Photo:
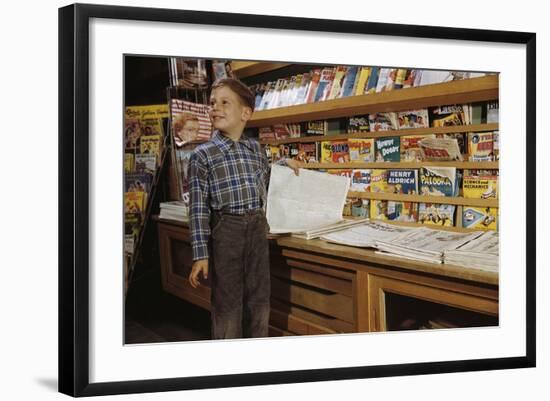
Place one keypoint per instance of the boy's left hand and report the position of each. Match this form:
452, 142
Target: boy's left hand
294, 165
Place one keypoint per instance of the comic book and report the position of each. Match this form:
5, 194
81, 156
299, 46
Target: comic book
410, 148
150, 144
349, 82
307, 152
436, 214
413, 119
440, 149
138, 182
358, 124
372, 81
400, 77
379, 181
480, 217
151, 126
317, 127
479, 185
289, 150
340, 151
361, 150
337, 81
383, 78
267, 93
134, 202
190, 121
410, 78
128, 162
403, 181
438, 181
383, 122
266, 133
387, 149
281, 131
449, 115
145, 163
132, 133
393, 210
361, 86
326, 152
480, 146
302, 88
460, 139
360, 180
313, 86
360, 207
325, 83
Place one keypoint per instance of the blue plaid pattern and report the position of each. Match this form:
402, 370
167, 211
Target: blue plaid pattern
225, 176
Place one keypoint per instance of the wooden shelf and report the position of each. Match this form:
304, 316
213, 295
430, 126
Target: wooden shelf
243, 69
404, 132
448, 200
403, 165
454, 92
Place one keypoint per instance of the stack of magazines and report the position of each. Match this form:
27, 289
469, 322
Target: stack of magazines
480, 253
176, 210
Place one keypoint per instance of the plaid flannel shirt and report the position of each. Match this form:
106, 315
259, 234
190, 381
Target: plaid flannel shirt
226, 176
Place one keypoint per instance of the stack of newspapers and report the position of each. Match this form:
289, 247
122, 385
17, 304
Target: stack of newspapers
176, 210
329, 228
366, 234
480, 253
425, 244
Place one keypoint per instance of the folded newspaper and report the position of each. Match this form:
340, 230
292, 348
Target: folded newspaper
366, 234
481, 253
310, 201
425, 244
176, 210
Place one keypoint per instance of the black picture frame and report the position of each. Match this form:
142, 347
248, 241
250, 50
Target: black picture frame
74, 194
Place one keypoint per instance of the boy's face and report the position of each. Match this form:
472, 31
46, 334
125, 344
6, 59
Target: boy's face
227, 112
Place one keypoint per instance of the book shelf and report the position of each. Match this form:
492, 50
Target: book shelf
455, 92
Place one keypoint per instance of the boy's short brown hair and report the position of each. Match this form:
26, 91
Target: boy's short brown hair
245, 94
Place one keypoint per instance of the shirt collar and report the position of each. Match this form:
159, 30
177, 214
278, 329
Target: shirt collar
225, 143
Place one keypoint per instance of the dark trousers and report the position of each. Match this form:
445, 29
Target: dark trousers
240, 275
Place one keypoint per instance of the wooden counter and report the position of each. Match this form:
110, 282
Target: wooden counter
320, 288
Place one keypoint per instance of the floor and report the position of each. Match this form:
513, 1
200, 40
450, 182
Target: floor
154, 316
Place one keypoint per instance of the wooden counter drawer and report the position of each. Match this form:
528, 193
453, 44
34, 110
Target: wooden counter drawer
317, 299
294, 324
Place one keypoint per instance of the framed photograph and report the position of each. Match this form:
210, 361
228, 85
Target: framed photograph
415, 107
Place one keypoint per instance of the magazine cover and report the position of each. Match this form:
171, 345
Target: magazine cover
154, 111
413, 119
145, 163
410, 148
440, 149
340, 151
480, 186
393, 211
361, 84
480, 146
358, 124
360, 207
307, 152
379, 181
134, 202
151, 126
372, 81
438, 181
387, 149
361, 150
450, 115
265, 133
128, 162
360, 180
317, 127
132, 133
191, 73
337, 82
403, 181
326, 152
436, 214
383, 122
325, 83
137, 182
150, 144
492, 112
190, 122
480, 217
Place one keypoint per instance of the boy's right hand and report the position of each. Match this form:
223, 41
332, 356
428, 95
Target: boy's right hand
198, 267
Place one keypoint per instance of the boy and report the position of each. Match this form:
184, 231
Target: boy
228, 177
